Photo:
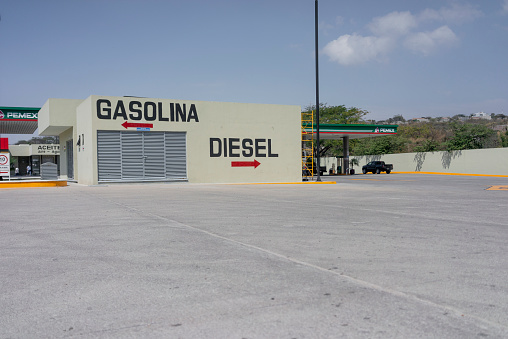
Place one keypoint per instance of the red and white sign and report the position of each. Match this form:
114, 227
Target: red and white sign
5, 170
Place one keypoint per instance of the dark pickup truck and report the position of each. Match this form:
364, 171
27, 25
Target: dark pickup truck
377, 167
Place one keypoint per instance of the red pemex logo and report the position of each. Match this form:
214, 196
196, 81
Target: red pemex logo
1, 115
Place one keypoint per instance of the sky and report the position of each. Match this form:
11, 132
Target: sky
408, 57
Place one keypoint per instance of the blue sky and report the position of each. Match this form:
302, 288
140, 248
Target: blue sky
415, 58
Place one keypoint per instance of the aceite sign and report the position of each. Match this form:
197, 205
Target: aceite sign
46, 149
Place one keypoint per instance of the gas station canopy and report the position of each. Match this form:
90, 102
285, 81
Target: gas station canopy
353, 131
18, 120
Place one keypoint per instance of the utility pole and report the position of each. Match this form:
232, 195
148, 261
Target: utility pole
318, 159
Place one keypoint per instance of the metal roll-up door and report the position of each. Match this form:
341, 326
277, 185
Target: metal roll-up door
109, 158
153, 154
137, 156
176, 155
132, 155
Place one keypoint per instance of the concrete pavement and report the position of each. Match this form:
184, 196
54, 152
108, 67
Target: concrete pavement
373, 256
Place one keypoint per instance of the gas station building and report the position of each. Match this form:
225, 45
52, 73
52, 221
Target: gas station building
107, 139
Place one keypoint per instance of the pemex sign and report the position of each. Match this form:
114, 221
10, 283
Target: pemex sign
19, 114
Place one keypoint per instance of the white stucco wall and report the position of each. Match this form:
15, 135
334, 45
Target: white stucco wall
57, 115
491, 161
86, 152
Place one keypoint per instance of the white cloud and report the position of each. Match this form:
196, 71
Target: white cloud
428, 42
505, 7
401, 27
355, 49
393, 24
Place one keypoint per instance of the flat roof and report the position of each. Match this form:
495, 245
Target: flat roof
353, 131
18, 120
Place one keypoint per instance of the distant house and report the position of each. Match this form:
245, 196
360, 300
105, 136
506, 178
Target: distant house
420, 120
481, 115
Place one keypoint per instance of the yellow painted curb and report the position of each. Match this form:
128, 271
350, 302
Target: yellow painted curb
25, 184
464, 174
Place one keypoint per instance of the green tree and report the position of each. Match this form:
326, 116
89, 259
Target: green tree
469, 136
338, 114
381, 145
416, 130
504, 139
427, 146
424, 136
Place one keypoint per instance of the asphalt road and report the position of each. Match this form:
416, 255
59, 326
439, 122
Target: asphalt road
373, 256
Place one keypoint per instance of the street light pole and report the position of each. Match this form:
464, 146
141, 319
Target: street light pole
318, 160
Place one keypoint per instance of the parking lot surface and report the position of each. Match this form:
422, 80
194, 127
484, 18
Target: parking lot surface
372, 256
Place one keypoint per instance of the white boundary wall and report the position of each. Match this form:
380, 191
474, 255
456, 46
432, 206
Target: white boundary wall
491, 161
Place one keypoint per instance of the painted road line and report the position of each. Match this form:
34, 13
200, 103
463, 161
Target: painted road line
497, 188
367, 179
288, 183
381, 179
464, 174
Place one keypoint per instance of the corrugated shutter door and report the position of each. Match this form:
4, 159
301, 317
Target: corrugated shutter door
109, 155
153, 147
176, 155
132, 155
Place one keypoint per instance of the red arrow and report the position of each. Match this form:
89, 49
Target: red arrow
254, 163
132, 124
